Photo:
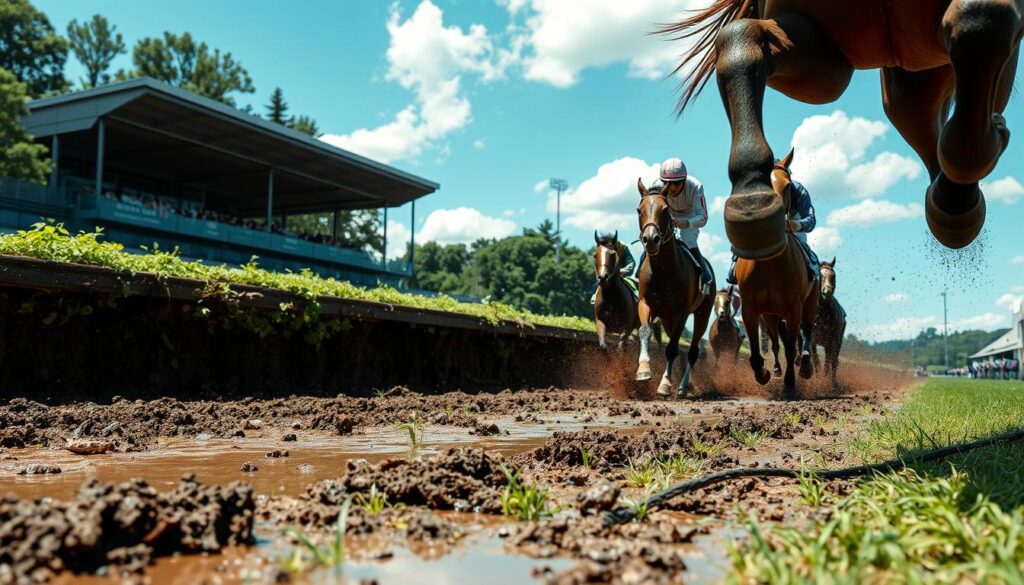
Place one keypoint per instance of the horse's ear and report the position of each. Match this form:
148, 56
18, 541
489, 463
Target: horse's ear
789, 158
597, 240
640, 187
615, 238
833, 262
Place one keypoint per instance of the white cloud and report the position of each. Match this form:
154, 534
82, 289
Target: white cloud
716, 250
1017, 288
717, 205
564, 37
870, 212
825, 240
895, 298
1017, 260
899, 328
606, 201
1008, 190
428, 59
1006, 299
983, 321
479, 144
462, 225
830, 157
398, 239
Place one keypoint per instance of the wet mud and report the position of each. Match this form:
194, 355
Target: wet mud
443, 492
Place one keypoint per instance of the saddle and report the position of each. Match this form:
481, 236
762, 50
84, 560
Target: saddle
633, 285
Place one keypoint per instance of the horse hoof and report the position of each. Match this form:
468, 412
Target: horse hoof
951, 224
755, 224
664, 389
777, 372
682, 392
806, 370
643, 373
762, 376
788, 392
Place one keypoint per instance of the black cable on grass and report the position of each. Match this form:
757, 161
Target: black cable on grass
622, 515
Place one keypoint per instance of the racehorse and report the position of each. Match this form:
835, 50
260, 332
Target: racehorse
614, 304
724, 336
778, 288
931, 53
669, 291
830, 324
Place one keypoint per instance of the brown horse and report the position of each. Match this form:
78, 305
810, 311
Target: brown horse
931, 53
778, 288
669, 291
614, 305
830, 325
724, 336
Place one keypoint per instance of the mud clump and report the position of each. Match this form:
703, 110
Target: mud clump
600, 498
124, 526
39, 469
249, 467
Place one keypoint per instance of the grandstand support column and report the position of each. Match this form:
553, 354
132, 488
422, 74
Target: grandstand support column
270, 198
412, 239
335, 228
384, 252
101, 138
55, 157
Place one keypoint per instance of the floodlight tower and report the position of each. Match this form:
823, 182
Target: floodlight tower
945, 331
559, 186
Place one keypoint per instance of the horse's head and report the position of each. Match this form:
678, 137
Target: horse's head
782, 179
655, 224
606, 257
828, 279
723, 304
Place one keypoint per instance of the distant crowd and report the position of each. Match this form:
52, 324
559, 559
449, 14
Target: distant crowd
192, 209
991, 369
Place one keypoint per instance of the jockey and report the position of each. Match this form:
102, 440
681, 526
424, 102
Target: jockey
626, 262
688, 210
801, 221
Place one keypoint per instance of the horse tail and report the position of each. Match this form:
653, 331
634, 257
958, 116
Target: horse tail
704, 26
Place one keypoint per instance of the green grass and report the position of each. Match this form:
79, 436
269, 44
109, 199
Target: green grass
586, 458
413, 430
958, 520
525, 501
748, 438
331, 555
642, 474
375, 501
53, 242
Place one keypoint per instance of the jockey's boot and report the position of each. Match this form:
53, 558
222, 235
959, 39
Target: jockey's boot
705, 274
730, 278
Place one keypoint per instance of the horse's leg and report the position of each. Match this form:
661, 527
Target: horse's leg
700, 325
790, 338
752, 323
671, 352
983, 39
772, 326
806, 366
643, 371
602, 331
792, 54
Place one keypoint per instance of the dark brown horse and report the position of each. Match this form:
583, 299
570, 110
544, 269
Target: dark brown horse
614, 305
669, 291
830, 325
931, 53
777, 288
724, 336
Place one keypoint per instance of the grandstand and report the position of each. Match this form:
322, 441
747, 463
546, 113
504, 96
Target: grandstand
151, 163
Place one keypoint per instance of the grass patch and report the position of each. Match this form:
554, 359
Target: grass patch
331, 555
47, 241
375, 501
526, 501
957, 520
748, 438
413, 430
641, 475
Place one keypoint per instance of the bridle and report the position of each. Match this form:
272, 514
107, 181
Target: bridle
663, 236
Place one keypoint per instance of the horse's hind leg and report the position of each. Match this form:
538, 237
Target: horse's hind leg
792, 54
700, 325
752, 323
790, 338
772, 326
671, 352
983, 39
643, 370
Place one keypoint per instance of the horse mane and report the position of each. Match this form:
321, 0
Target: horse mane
704, 26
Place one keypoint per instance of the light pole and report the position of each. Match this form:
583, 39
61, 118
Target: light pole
945, 331
559, 186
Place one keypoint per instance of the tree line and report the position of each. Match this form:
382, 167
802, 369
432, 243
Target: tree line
927, 348
518, 270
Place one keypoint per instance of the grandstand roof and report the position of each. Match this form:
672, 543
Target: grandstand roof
1006, 343
161, 133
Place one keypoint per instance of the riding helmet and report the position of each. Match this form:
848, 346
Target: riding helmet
673, 170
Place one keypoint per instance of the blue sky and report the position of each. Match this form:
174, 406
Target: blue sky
491, 98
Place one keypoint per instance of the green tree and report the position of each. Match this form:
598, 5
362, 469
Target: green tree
180, 61
277, 109
20, 157
96, 44
31, 49
360, 229
440, 268
304, 124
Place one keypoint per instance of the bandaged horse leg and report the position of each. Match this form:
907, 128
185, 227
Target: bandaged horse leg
643, 371
700, 324
671, 353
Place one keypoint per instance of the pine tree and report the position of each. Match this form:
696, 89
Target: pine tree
277, 109
304, 124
